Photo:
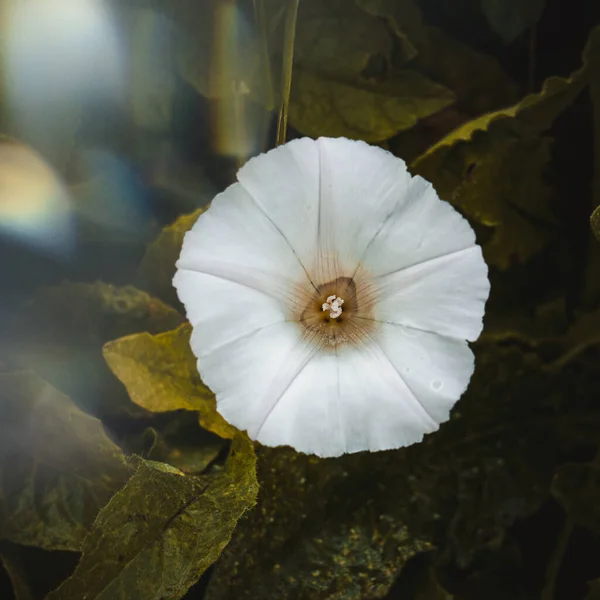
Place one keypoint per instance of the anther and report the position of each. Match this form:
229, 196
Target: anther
334, 305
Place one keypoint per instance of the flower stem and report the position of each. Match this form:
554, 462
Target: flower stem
286, 69
261, 22
556, 560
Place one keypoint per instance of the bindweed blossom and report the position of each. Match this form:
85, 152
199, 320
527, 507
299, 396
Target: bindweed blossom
331, 297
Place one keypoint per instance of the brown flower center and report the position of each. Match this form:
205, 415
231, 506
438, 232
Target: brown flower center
333, 322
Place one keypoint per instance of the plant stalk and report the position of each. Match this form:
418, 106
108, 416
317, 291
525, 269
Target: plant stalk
286, 70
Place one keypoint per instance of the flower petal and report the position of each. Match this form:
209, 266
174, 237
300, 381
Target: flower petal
308, 416
349, 402
221, 311
234, 240
420, 228
284, 185
328, 198
437, 369
360, 187
250, 375
444, 295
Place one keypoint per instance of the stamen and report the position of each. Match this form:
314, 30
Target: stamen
333, 304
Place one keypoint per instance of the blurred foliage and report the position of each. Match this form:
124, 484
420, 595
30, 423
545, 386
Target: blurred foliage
321, 105
110, 445
349, 85
58, 468
509, 18
485, 159
59, 334
157, 268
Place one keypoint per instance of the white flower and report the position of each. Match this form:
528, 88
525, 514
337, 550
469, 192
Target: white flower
331, 295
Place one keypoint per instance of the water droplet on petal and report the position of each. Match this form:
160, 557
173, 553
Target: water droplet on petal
437, 384
407, 369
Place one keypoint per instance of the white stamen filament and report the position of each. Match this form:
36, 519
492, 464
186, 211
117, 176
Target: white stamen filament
333, 304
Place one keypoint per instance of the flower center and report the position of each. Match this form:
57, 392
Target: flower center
333, 304
337, 312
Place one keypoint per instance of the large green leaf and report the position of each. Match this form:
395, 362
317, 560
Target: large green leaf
493, 167
322, 529
345, 82
509, 18
163, 530
160, 375
337, 39
61, 331
322, 106
405, 20
478, 80
157, 268
57, 466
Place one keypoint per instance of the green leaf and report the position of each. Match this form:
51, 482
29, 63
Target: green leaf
57, 466
510, 18
577, 487
320, 105
345, 82
405, 20
157, 268
158, 535
337, 39
492, 169
60, 333
322, 529
478, 80
160, 375
495, 457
